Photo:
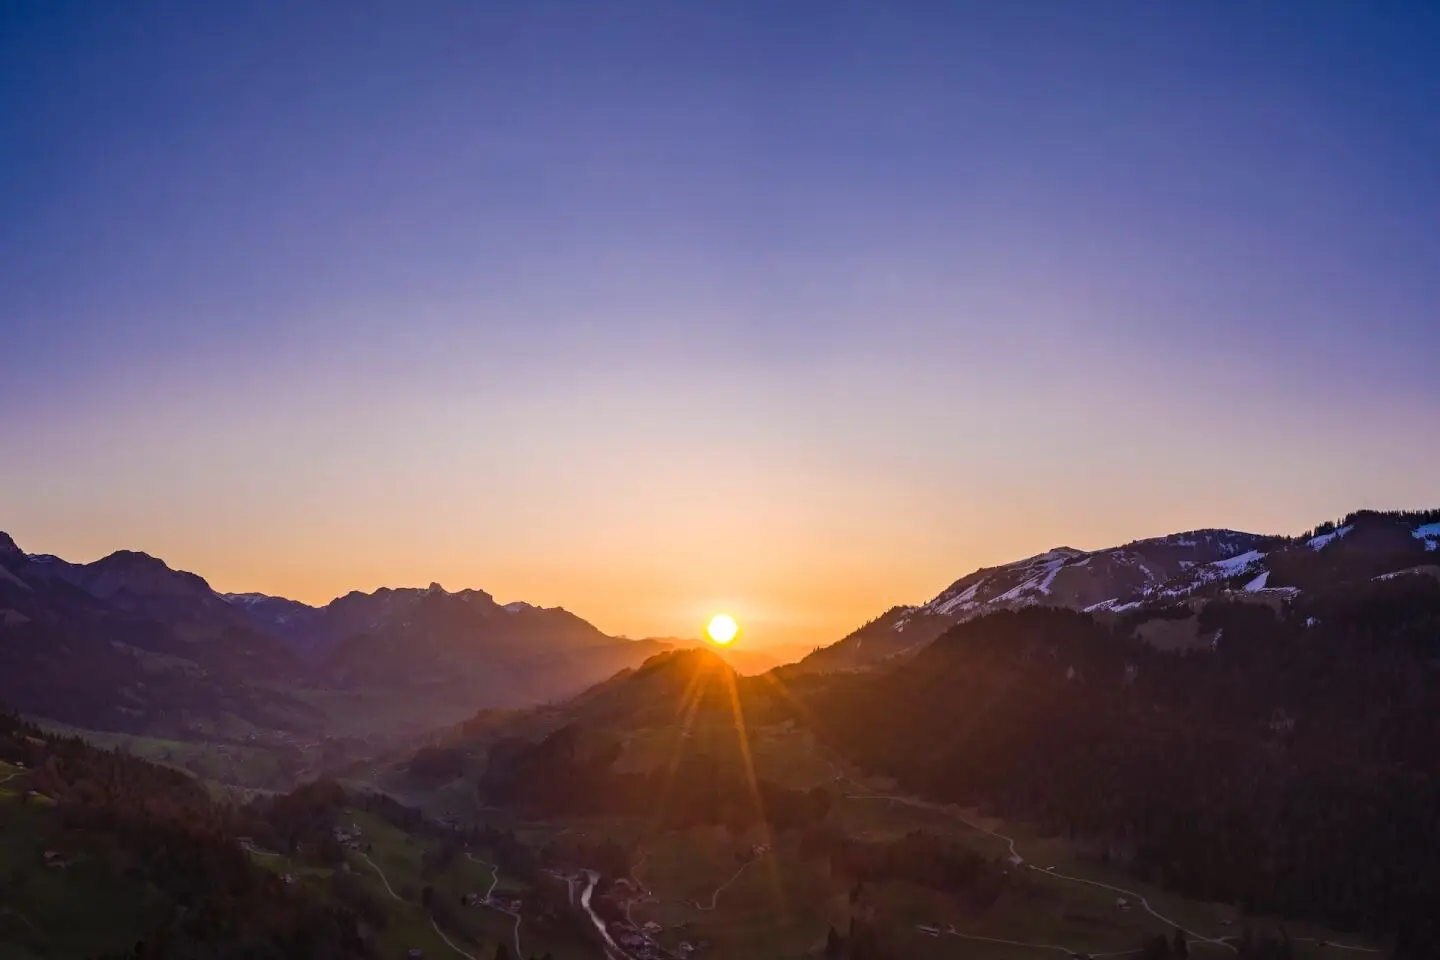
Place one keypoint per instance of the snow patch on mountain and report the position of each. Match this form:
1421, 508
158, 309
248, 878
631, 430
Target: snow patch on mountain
964, 598
1320, 542
1234, 566
1065, 576
1040, 583
245, 599
1430, 534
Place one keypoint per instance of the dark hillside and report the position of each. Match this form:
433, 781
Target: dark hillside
1290, 769
109, 856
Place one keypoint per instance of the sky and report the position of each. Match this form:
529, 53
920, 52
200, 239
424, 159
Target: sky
649, 310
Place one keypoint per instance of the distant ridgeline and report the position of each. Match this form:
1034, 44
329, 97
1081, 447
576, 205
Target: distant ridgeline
128, 644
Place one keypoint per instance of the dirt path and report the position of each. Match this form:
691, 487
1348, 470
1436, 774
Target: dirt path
716, 893
381, 873
1056, 948
1019, 859
448, 942
494, 882
1194, 937
451, 943
494, 872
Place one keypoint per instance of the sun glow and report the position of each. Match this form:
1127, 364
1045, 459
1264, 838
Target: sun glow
722, 629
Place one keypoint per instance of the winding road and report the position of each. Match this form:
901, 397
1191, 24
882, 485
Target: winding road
441, 933
1017, 858
494, 882
716, 893
612, 949
1068, 951
494, 872
451, 943
381, 873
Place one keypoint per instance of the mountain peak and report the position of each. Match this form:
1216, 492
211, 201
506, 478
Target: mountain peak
131, 559
7, 546
138, 572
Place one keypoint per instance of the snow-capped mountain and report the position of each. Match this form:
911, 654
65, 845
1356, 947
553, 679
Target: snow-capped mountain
1062, 577
1067, 577
1160, 571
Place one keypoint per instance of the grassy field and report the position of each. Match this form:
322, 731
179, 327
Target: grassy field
775, 905
399, 855
224, 763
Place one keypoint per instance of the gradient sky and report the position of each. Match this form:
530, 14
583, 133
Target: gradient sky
797, 310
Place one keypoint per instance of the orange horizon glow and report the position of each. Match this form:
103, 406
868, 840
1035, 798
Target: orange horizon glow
791, 575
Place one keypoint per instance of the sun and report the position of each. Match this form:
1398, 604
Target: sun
722, 629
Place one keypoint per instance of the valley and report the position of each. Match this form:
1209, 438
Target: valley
782, 902
1047, 775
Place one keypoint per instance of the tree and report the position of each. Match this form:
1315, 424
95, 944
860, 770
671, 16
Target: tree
1178, 947
1156, 948
834, 946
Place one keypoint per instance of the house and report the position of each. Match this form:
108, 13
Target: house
414, 953
53, 858
930, 930
651, 927
289, 879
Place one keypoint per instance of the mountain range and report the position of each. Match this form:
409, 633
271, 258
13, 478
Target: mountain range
1151, 574
1247, 721
128, 643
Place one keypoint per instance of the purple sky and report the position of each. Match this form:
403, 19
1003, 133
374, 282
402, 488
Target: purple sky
656, 309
